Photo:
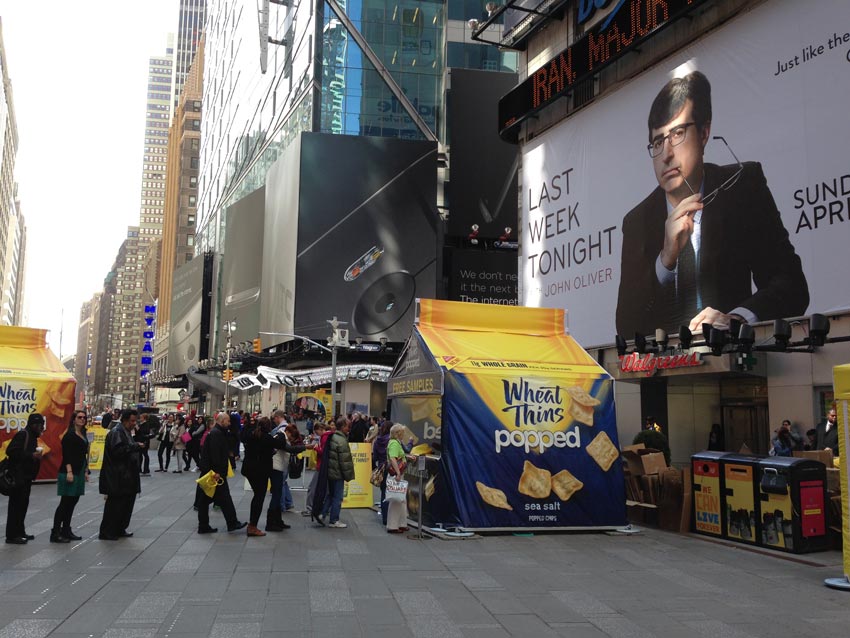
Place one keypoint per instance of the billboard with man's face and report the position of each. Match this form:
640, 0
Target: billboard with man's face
692, 216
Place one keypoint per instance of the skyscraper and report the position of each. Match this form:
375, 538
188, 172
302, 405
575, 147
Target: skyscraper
12, 228
190, 27
157, 119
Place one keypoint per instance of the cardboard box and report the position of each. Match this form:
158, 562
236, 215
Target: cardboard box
833, 479
824, 456
670, 500
642, 460
641, 513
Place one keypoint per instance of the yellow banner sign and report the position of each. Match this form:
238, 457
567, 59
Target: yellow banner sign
358, 493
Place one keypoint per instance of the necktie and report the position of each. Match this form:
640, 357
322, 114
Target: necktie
686, 283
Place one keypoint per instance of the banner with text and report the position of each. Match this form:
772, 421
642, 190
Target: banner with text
752, 174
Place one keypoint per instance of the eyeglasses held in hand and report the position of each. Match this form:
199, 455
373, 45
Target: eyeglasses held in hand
725, 186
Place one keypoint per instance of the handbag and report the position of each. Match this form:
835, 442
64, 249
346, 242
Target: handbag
209, 482
396, 490
377, 476
296, 466
186, 437
7, 478
772, 482
402, 466
8, 482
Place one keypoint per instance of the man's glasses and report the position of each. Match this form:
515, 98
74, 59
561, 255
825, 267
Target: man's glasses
725, 186
676, 136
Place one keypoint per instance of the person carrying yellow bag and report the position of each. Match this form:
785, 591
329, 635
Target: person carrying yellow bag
215, 459
208, 482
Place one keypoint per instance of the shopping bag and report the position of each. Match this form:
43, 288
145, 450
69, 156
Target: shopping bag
396, 490
209, 482
230, 473
186, 437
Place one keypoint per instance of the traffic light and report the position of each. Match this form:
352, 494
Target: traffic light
258, 345
227, 374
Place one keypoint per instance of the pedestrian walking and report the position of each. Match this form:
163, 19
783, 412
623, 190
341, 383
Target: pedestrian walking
215, 457
182, 456
143, 435
24, 456
260, 447
72, 478
165, 443
119, 478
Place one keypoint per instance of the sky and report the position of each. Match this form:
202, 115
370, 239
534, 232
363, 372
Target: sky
79, 82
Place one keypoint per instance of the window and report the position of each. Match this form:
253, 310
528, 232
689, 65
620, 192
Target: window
193, 162
190, 220
193, 182
190, 240
193, 201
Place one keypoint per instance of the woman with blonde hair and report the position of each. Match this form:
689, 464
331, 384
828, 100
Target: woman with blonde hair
396, 462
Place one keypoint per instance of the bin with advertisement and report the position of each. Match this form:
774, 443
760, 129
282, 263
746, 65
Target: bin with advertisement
709, 510
32, 379
792, 503
519, 420
739, 491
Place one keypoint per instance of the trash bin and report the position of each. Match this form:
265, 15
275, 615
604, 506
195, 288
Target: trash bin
739, 497
792, 495
707, 482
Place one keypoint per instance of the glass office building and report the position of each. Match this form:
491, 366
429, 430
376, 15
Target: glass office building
319, 77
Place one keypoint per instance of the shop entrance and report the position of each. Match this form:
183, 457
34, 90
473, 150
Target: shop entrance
746, 424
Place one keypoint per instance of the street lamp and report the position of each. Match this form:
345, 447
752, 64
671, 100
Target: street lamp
339, 338
229, 327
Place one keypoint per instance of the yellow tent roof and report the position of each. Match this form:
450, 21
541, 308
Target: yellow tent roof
24, 354
485, 337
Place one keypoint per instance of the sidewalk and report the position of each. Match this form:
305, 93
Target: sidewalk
360, 581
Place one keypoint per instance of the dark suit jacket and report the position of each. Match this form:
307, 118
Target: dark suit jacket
742, 241
827, 439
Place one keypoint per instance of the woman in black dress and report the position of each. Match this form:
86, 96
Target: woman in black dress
73, 475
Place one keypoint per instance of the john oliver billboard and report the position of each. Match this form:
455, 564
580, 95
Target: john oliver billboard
716, 183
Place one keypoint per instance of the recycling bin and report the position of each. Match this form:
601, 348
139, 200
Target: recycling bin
792, 499
707, 479
739, 498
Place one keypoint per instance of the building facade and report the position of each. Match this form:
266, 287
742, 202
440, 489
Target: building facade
607, 150
12, 226
190, 28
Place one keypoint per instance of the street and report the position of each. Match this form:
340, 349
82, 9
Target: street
311, 581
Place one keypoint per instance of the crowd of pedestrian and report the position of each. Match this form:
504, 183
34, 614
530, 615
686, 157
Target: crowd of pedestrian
271, 451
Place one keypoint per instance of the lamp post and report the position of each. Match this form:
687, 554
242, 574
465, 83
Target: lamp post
229, 327
337, 339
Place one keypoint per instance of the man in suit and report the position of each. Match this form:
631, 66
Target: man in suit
827, 433
694, 247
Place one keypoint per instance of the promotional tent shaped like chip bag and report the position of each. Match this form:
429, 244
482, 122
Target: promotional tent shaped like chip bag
33, 380
522, 416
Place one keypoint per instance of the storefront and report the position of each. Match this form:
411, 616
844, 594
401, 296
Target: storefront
748, 396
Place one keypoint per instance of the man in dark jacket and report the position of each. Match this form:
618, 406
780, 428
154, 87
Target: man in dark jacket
119, 477
24, 461
359, 428
215, 457
827, 433
340, 470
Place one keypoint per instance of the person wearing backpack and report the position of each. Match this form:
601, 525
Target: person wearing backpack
24, 460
